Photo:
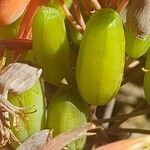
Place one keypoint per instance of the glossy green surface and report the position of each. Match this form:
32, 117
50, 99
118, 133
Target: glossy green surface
100, 62
55, 4
34, 121
136, 47
67, 111
10, 31
50, 45
73, 34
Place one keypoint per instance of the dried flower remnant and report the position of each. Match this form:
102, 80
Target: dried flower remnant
138, 17
11, 78
36, 141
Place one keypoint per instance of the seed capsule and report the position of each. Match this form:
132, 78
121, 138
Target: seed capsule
137, 28
55, 4
10, 31
136, 47
100, 62
67, 111
34, 121
50, 45
74, 36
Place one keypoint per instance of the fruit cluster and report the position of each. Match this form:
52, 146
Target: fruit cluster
87, 67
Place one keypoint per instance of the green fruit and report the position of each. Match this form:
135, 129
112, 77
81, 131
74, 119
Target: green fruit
136, 47
10, 31
73, 34
29, 56
34, 121
50, 45
101, 58
146, 83
55, 4
67, 111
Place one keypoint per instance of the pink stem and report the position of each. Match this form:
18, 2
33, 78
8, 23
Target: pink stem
70, 17
79, 14
96, 4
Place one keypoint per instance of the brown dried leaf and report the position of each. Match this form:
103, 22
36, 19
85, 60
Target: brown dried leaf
19, 77
36, 141
62, 140
138, 17
130, 144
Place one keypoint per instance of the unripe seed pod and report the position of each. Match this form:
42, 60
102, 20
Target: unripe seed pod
34, 121
50, 45
137, 28
74, 36
136, 47
146, 83
55, 4
10, 31
67, 111
100, 62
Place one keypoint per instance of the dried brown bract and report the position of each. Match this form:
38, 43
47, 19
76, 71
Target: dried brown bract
19, 77
138, 17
